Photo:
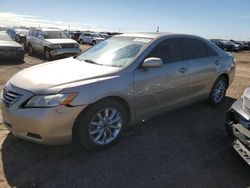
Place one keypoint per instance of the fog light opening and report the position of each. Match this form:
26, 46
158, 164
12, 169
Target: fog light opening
33, 135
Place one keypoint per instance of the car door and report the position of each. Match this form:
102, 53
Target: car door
157, 88
86, 38
34, 40
39, 42
204, 65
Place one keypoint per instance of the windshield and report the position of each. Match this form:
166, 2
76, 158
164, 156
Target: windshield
5, 37
96, 35
55, 35
117, 51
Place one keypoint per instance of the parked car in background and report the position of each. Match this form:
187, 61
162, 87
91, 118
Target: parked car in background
224, 44
238, 125
92, 98
9, 48
11, 32
19, 35
236, 47
90, 38
51, 43
105, 35
243, 45
74, 35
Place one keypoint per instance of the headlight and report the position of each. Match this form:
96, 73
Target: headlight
247, 93
44, 101
77, 45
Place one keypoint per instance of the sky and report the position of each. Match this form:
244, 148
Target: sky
229, 19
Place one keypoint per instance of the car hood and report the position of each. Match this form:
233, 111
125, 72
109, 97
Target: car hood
46, 77
60, 41
9, 44
98, 38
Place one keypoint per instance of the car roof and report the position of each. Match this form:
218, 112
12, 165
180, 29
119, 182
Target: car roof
145, 35
155, 35
47, 29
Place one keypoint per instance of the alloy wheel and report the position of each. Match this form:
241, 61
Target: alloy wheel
105, 126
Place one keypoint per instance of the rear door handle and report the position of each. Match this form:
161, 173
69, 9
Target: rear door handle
217, 62
183, 70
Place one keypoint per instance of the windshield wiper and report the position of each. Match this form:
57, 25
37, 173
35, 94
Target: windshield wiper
90, 61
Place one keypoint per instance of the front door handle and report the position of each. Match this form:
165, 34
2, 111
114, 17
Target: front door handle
183, 70
217, 62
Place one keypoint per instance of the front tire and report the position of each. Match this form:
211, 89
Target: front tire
218, 91
102, 125
47, 55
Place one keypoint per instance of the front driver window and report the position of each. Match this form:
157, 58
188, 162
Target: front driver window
168, 50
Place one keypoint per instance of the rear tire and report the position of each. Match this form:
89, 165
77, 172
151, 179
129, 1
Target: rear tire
218, 91
81, 41
94, 43
101, 125
30, 50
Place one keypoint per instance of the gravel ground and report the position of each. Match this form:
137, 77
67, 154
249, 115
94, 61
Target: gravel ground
184, 148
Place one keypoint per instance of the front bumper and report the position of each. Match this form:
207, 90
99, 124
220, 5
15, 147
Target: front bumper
12, 54
238, 126
50, 126
65, 52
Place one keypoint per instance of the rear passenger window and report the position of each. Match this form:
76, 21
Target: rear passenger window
194, 48
168, 50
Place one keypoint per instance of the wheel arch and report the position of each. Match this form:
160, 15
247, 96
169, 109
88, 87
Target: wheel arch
117, 98
226, 76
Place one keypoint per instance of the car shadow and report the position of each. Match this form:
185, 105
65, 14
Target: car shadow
187, 147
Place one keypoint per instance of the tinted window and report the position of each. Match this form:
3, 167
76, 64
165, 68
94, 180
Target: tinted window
34, 33
210, 51
195, 49
168, 50
40, 34
54, 35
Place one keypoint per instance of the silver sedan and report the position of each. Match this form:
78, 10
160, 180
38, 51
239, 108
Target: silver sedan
92, 98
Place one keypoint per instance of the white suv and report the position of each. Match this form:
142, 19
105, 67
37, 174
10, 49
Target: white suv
90, 38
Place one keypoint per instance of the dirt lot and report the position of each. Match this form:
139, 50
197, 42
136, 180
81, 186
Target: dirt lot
184, 148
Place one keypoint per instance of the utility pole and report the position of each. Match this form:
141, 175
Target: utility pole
158, 29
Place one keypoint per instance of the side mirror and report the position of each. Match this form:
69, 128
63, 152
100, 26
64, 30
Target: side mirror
152, 62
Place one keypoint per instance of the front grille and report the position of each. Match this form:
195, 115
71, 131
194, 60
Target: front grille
246, 102
68, 45
237, 118
10, 97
